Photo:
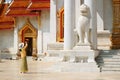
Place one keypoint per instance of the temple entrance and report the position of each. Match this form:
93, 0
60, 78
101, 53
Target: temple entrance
30, 47
28, 32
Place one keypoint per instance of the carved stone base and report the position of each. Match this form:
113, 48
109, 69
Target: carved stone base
82, 46
78, 55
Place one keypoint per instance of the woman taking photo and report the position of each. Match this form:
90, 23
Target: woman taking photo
24, 67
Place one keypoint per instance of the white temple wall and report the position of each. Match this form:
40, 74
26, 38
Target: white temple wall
34, 21
108, 14
104, 23
6, 39
21, 21
45, 27
60, 4
46, 37
104, 15
100, 19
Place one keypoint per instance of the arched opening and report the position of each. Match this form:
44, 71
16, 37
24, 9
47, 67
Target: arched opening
29, 33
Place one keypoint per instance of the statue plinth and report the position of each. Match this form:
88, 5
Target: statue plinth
84, 50
82, 46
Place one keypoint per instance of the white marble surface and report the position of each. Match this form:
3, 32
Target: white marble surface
9, 70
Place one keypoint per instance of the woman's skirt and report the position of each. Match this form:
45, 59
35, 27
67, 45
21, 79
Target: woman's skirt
24, 67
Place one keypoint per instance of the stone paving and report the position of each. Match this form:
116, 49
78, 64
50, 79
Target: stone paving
43, 70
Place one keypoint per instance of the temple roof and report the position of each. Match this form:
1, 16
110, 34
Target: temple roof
26, 7
40, 0
6, 22
39, 5
19, 4
20, 8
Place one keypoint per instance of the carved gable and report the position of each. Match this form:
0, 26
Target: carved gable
27, 30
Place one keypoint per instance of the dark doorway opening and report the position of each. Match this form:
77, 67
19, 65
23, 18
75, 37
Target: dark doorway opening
29, 48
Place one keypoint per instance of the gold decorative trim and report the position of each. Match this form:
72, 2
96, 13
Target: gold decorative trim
61, 25
27, 26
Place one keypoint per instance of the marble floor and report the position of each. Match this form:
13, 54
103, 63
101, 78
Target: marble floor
42, 70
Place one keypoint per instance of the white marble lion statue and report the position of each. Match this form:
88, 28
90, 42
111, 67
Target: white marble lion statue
82, 27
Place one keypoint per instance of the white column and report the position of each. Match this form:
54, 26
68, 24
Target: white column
15, 40
53, 19
40, 42
93, 22
39, 37
69, 21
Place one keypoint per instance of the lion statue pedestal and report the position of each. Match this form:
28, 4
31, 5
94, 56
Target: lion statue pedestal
83, 47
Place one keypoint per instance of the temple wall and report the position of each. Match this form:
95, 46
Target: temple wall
6, 39
20, 21
104, 15
100, 19
45, 27
104, 21
60, 4
108, 14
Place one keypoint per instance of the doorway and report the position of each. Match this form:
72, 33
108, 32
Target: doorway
29, 32
30, 46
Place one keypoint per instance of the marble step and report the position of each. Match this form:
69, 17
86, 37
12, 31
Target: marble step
115, 64
104, 62
109, 60
110, 69
55, 46
53, 53
109, 52
111, 66
107, 64
80, 67
109, 56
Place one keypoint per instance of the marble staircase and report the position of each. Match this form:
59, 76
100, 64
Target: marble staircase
109, 61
